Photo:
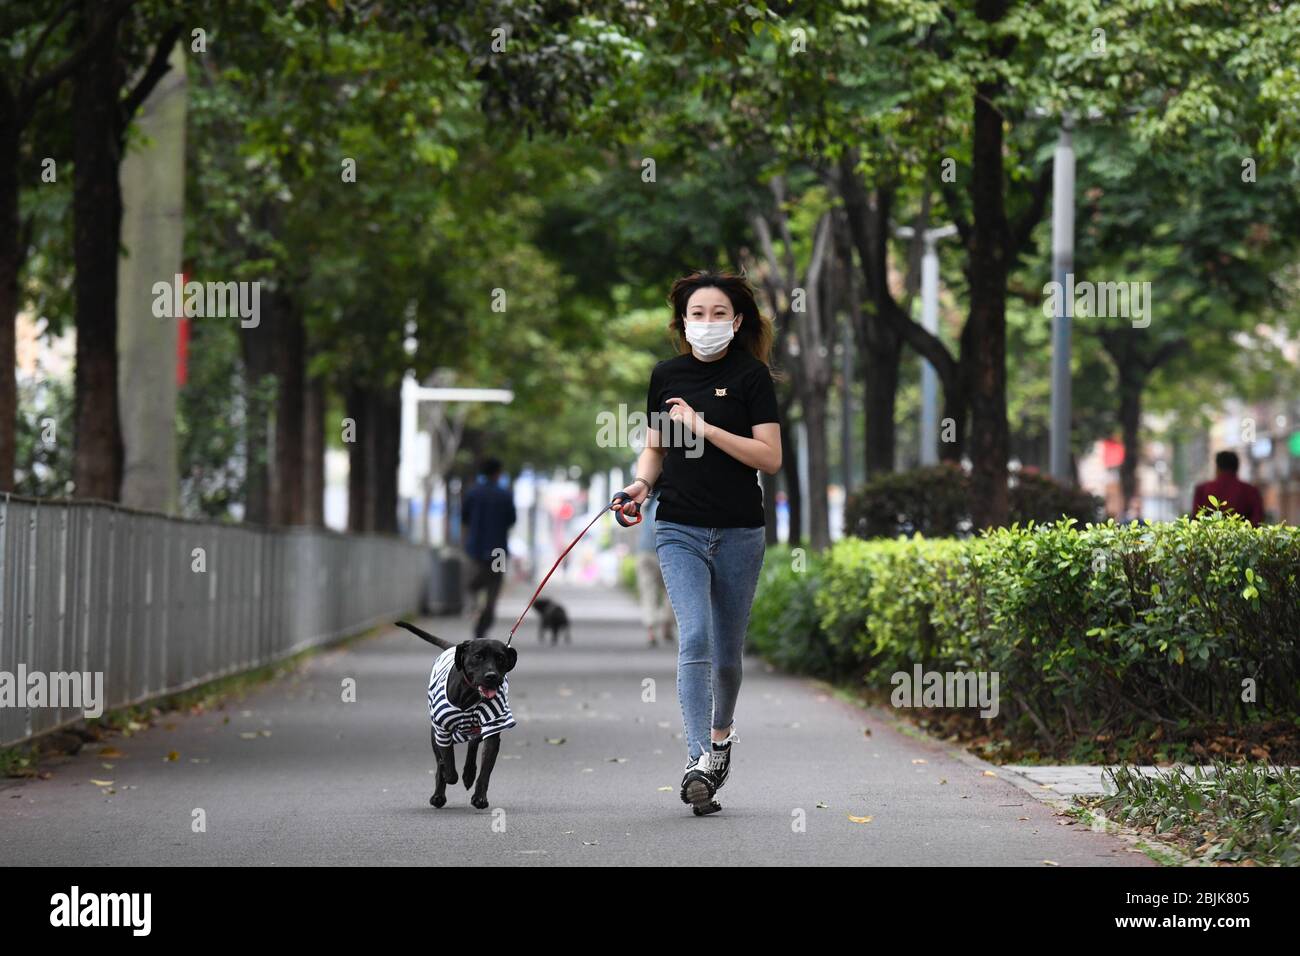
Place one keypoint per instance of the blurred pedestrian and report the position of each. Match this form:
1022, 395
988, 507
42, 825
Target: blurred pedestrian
1231, 492
656, 610
486, 515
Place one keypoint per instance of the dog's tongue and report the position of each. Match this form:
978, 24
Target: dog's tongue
487, 692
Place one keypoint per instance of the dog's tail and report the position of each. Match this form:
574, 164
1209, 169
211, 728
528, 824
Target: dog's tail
425, 635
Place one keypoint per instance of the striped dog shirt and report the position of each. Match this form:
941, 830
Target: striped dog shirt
451, 725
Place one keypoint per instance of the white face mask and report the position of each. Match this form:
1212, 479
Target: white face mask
708, 338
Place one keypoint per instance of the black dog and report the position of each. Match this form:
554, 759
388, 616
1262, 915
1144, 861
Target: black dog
467, 703
554, 619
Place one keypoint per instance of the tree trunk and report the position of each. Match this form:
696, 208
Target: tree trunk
259, 354
819, 473
373, 458
286, 315
361, 462
955, 410
11, 258
769, 506
790, 471
880, 363
313, 454
97, 215
1132, 380
153, 196
983, 345
879, 344
18, 98
388, 435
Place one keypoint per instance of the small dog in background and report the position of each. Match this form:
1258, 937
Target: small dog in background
554, 619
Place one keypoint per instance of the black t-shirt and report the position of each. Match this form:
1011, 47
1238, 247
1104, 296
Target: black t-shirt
701, 484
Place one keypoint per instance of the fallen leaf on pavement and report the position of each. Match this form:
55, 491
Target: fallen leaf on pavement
860, 819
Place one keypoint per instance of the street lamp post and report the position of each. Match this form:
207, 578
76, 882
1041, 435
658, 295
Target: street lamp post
929, 322
1062, 266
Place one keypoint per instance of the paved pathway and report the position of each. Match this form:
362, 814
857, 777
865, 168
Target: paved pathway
293, 775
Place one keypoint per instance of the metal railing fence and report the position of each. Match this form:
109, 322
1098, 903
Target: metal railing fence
160, 604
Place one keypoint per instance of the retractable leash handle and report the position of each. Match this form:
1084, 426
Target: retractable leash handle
616, 506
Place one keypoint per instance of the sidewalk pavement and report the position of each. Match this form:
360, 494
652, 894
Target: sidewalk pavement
292, 774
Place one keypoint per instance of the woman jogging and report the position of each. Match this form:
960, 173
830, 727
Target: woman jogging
713, 425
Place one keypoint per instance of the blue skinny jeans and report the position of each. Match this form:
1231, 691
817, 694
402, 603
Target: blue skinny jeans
710, 575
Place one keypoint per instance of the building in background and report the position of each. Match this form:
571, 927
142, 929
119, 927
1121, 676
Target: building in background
1265, 435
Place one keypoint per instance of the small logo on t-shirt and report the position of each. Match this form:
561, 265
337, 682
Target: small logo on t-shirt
719, 393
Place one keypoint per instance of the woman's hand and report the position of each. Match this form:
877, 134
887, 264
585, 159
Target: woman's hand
638, 491
682, 412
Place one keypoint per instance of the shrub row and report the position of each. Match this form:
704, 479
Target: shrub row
935, 502
1105, 627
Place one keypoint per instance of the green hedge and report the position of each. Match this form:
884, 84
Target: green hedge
935, 501
1104, 627
784, 618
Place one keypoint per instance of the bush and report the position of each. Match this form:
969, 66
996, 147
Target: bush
935, 502
1232, 814
931, 501
1105, 628
1038, 498
783, 623
876, 598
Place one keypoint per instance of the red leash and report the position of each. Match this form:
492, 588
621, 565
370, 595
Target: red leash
615, 506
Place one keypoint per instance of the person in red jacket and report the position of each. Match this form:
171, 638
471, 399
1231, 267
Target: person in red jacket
1231, 492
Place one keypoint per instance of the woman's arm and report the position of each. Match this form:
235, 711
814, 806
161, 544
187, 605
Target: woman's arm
763, 451
649, 465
